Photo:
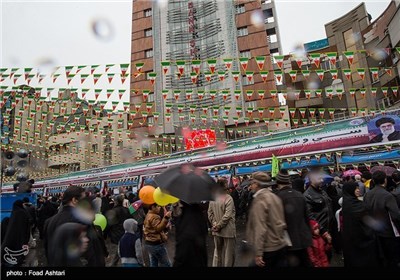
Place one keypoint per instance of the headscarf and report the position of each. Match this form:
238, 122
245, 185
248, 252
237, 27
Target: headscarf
130, 225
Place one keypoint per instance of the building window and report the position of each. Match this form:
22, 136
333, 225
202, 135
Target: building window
148, 12
150, 120
95, 148
240, 9
245, 53
120, 144
251, 104
150, 98
242, 31
148, 32
148, 53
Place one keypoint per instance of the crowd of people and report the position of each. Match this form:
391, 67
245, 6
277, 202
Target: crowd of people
296, 220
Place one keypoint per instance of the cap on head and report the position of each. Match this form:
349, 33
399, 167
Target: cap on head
261, 178
283, 177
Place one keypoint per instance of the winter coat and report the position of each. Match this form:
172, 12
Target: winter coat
266, 223
317, 252
222, 214
319, 208
296, 218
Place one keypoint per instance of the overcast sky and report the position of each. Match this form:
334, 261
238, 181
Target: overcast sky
68, 32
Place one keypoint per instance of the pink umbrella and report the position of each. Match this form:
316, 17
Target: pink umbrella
351, 173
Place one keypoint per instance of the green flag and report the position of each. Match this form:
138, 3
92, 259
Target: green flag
275, 166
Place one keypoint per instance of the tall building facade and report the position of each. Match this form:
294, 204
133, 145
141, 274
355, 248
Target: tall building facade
271, 26
189, 35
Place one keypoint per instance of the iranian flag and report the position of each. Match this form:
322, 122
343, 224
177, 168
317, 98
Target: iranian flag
352, 92
260, 60
126, 106
260, 111
228, 63
302, 112
177, 93
299, 61
124, 67
29, 79
329, 93
332, 57
279, 60
237, 94
110, 77
193, 118
247, 121
192, 109
271, 112
145, 93
331, 112
306, 73
361, 73
189, 94
282, 111
295, 122
274, 94
373, 91
225, 94
292, 112
249, 75
13, 71
363, 91
165, 93
395, 90
123, 77
93, 68
350, 56
149, 106
236, 120
388, 71
216, 110
205, 109
320, 73
41, 77
226, 119
249, 94
374, 72
108, 66
121, 93
196, 64
307, 93
97, 93
372, 112
55, 77
114, 105
264, 75
181, 66
84, 92
238, 111
284, 94
208, 75
278, 76
293, 75
384, 91
79, 68
203, 119
266, 121
152, 76
165, 66
200, 94
316, 59
17, 76
261, 93
244, 62
221, 75
339, 92
347, 73
312, 113
334, 73
96, 78
68, 70
236, 75
84, 77
353, 112
181, 117
212, 63
137, 107
213, 94
227, 109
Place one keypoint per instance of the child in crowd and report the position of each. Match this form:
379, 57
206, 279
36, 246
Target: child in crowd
317, 251
130, 247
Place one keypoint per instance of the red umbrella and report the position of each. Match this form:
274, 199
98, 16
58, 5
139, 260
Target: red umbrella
387, 169
351, 173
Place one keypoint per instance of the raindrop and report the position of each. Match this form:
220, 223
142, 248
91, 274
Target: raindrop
379, 54
162, 3
103, 29
221, 146
46, 65
257, 18
313, 85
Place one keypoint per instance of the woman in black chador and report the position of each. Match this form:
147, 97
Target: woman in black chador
359, 243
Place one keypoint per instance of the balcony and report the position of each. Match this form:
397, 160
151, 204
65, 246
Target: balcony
65, 158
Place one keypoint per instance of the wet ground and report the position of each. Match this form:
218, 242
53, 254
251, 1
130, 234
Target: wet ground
36, 255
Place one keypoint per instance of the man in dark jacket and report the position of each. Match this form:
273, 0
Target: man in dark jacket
383, 208
396, 191
296, 218
319, 205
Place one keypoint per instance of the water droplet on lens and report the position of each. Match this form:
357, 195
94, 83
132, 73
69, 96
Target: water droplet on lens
103, 29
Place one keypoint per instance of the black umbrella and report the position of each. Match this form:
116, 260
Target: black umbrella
187, 183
